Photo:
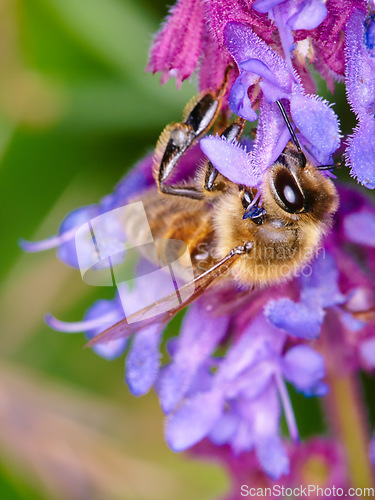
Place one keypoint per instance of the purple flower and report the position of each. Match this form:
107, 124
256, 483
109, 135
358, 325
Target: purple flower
101, 315
293, 15
258, 63
192, 36
319, 290
241, 406
199, 336
239, 353
327, 38
244, 166
131, 186
98, 312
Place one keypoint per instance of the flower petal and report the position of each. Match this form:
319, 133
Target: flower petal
309, 16
260, 341
361, 152
231, 160
304, 368
101, 311
143, 360
265, 6
199, 336
360, 68
173, 383
66, 251
239, 101
316, 121
321, 286
177, 46
295, 318
225, 428
272, 136
262, 416
193, 420
359, 227
244, 45
272, 456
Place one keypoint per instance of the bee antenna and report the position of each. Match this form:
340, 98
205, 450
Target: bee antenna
292, 133
330, 167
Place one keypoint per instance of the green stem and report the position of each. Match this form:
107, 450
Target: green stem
348, 418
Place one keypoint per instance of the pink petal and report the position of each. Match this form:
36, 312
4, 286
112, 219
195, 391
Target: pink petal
177, 46
220, 12
213, 65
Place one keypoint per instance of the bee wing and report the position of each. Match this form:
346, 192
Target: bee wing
164, 309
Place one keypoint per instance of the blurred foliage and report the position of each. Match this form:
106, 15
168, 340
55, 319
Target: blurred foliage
76, 111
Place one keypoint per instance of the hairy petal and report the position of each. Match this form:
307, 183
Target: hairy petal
360, 68
177, 46
220, 12
361, 152
272, 136
231, 160
316, 121
245, 45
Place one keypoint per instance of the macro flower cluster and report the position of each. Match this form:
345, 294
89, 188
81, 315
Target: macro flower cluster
232, 369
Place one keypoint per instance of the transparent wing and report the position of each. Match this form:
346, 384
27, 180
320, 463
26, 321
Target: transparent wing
164, 309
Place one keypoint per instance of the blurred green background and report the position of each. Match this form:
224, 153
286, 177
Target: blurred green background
76, 111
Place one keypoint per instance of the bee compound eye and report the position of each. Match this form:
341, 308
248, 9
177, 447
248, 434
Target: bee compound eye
288, 192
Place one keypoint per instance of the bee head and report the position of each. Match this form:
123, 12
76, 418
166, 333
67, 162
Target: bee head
297, 192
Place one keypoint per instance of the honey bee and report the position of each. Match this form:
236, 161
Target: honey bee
261, 235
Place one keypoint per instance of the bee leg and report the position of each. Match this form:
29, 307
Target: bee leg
292, 133
183, 135
331, 167
231, 133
